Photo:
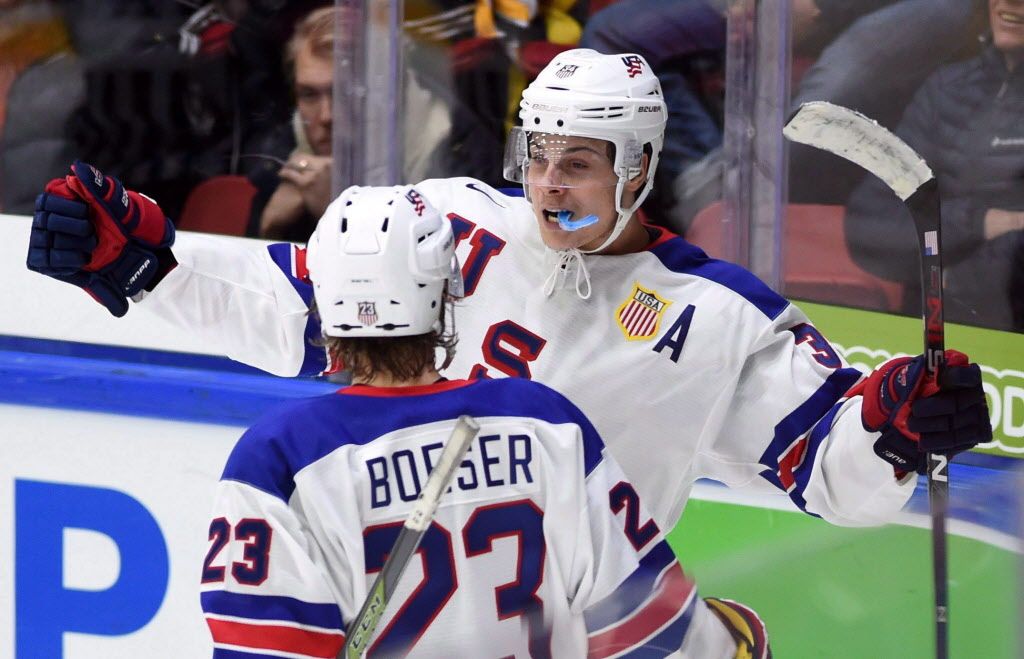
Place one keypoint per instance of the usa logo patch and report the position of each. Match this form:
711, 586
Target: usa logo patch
417, 202
634, 65
640, 315
567, 70
367, 313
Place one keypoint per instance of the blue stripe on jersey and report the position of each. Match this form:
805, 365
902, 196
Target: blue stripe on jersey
802, 419
315, 360
632, 592
271, 607
300, 433
803, 473
665, 642
220, 653
680, 256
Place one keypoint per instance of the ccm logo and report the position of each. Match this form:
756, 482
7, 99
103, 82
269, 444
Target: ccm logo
649, 108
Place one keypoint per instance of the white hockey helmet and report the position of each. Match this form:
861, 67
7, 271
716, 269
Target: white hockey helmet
583, 93
379, 260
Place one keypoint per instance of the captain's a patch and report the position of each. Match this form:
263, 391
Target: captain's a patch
640, 314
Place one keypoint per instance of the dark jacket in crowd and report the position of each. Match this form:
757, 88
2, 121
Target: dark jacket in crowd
966, 122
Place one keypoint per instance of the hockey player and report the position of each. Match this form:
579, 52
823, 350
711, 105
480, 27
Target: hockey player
689, 366
536, 549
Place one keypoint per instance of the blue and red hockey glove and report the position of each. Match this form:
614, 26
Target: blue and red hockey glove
88, 230
917, 415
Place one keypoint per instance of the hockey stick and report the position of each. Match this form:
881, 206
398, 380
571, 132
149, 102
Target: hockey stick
362, 628
853, 136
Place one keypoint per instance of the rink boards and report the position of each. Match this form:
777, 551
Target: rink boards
105, 518
112, 436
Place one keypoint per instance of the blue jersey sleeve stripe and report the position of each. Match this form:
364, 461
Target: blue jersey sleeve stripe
314, 360
800, 420
680, 256
633, 591
803, 473
271, 607
660, 625
222, 653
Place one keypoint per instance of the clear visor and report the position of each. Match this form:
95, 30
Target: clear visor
548, 160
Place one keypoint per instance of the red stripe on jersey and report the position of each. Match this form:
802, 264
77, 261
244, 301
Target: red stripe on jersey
790, 461
674, 593
395, 392
299, 269
276, 637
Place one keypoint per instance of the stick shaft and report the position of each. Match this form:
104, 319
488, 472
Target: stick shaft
858, 139
925, 208
361, 630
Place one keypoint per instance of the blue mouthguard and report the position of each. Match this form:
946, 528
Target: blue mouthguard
574, 225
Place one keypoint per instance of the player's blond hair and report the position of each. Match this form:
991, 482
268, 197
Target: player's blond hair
401, 357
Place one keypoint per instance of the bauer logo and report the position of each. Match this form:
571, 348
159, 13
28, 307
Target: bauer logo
541, 107
634, 65
640, 315
649, 108
566, 70
138, 273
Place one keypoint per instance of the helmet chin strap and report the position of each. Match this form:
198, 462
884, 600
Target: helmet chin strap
620, 221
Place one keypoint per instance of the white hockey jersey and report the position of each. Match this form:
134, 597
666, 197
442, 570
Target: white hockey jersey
689, 366
540, 547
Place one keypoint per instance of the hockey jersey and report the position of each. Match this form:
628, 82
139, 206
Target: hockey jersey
689, 366
541, 547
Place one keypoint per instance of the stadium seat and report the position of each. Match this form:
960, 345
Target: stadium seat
817, 265
218, 205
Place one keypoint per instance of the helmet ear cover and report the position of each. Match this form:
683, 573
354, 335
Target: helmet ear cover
379, 261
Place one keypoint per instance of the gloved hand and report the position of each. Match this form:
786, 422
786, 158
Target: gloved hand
917, 415
88, 230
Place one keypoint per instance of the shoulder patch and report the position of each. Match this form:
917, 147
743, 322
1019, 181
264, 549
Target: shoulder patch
639, 316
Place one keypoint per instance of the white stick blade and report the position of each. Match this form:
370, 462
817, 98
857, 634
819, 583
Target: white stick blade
851, 135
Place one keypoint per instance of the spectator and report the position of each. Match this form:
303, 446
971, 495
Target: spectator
41, 81
684, 41
304, 190
965, 122
869, 61
291, 210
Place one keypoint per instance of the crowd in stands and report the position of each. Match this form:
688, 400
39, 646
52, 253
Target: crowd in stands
169, 95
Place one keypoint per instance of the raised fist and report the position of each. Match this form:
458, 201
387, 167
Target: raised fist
88, 230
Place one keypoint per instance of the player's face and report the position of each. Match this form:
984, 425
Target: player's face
314, 79
1007, 20
572, 174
